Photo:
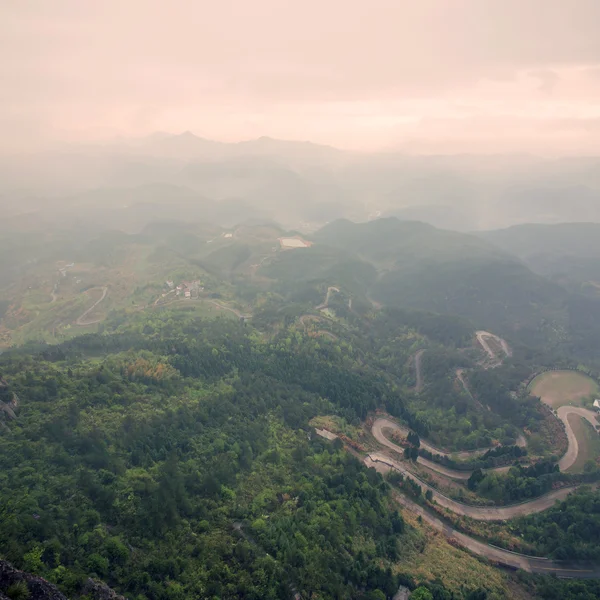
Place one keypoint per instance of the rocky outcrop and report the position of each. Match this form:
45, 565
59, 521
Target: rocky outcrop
14, 401
8, 411
8, 401
100, 591
39, 588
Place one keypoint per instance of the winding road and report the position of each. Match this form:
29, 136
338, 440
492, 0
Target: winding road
81, 321
514, 560
325, 303
380, 424
304, 318
570, 456
383, 423
236, 312
459, 376
567, 461
482, 338
479, 513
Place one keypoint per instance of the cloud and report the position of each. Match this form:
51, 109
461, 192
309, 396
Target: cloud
548, 79
131, 66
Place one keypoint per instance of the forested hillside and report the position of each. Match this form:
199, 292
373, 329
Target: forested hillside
414, 265
172, 457
180, 463
566, 251
171, 452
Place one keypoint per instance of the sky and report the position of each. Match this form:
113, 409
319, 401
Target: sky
428, 76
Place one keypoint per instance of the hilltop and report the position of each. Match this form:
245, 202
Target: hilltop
415, 265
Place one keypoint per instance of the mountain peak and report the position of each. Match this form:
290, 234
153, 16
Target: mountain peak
186, 135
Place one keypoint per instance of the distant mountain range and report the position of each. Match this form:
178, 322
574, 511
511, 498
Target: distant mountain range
188, 146
305, 185
568, 253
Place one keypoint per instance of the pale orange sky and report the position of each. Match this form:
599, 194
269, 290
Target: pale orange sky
449, 75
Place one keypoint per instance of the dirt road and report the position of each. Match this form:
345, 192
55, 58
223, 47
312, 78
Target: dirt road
236, 312
81, 320
479, 513
483, 336
325, 303
383, 423
419, 370
162, 298
303, 321
459, 376
327, 334
511, 559
380, 424
570, 456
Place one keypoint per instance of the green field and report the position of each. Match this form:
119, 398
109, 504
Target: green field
588, 441
559, 388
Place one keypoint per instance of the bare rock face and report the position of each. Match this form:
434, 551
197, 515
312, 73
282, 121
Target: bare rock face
8, 401
10, 413
14, 401
39, 588
100, 591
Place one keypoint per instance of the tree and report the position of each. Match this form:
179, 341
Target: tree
32, 561
421, 593
413, 438
476, 477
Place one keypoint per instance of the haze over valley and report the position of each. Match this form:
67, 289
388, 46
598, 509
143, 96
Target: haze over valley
299, 184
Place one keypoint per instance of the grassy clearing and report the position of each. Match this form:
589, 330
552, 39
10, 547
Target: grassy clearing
432, 557
588, 441
559, 388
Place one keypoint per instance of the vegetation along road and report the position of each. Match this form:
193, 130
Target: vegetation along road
479, 513
565, 462
488, 514
383, 423
570, 456
498, 555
